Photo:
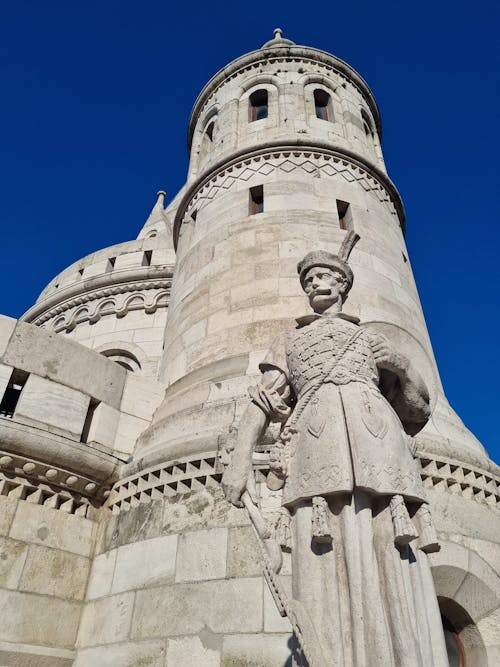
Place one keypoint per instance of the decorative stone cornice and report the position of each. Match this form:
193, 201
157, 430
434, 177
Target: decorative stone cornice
116, 282
169, 479
50, 470
300, 54
104, 302
182, 476
320, 158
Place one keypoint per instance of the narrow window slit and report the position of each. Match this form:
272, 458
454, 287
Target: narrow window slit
256, 200
344, 213
146, 260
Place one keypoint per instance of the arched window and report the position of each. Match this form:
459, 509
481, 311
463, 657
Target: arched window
123, 358
210, 130
258, 105
322, 104
368, 127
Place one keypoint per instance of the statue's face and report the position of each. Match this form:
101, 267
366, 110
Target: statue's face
324, 287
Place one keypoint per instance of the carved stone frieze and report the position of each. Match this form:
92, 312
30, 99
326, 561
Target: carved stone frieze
114, 300
51, 486
175, 478
320, 162
185, 475
449, 476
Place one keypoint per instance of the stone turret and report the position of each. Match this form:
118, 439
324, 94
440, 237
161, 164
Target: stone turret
285, 157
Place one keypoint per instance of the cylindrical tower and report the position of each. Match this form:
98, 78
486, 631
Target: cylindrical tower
285, 157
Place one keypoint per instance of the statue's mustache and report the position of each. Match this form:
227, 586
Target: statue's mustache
320, 292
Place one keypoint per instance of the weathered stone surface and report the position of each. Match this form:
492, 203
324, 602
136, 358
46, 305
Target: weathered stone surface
27, 655
126, 654
107, 620
54, 572
144, 564
221, 606
48, 355
7, 511
203, 649
202, 555
256, 650
53, 406
101, 575
52, 528
7, 326
29, 619
12, 559
244, 557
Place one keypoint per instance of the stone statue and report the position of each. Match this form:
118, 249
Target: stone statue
359, 526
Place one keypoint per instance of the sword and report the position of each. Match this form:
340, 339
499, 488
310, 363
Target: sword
297, 614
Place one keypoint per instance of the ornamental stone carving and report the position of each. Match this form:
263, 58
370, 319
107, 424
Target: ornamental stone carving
354, 509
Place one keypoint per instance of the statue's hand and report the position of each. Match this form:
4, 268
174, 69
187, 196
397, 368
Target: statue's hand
385, 357
233, 484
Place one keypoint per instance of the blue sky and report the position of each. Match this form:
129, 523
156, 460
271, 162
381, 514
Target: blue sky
95, 102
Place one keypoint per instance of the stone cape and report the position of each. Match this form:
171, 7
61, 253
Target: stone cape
370, 602
348, 435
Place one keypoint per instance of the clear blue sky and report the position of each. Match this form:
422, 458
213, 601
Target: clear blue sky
95, 102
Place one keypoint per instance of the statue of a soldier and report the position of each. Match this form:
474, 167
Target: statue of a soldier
359, 522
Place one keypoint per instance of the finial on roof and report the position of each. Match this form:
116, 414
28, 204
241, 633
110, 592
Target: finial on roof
278, 40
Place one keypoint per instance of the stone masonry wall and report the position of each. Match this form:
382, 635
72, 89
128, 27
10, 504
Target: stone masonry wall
44, 566
178, 582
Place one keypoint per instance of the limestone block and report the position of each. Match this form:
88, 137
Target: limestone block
139, 523
233, 605
129, 429
107, 620
12, 558
141, 396
52, 528
144, 564
127, 654
95, 269
7, 326
202, 555
104, 425
194, 651
50, 355
204, 508
256, 650
244, 557
129, 260
101, 575
5, 373
31, 619
54, 572
28, 655
150, 335
477, 598
449, 567
7, 511
52, 406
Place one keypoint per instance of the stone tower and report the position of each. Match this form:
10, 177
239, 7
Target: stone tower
124, 385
